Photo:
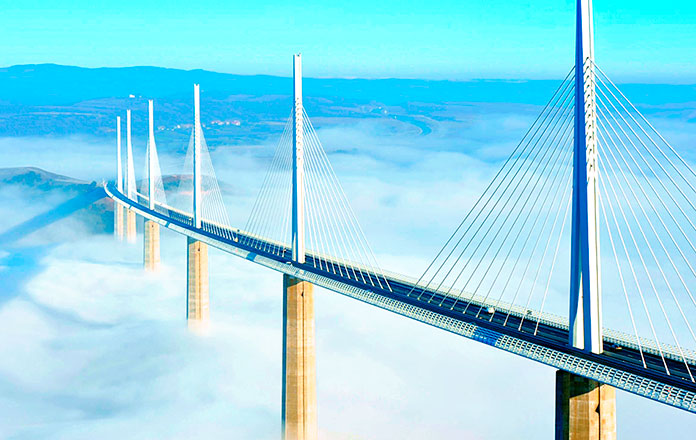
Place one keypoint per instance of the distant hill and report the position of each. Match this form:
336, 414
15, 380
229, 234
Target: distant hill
51, 84
37, 183
49, 99
36, 178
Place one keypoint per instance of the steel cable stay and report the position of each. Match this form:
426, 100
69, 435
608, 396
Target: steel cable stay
130, 171
541, 264
286, 232
659, 198
646, 216
550, 165
509, 165
254, 214
659, 266
285, 202
541, 230
536, 149
350, 226
652, 253
507, 162
313, 193
319, 187
325, 187
274, 192
184, 189
317, 190
686, 198
547, 160
352, 231
280, 206
344, 245
260, 228
214, 212
532, 253
212, 196
635, 279
647, 272
257, 214
554, 259
654, 190
514, 184
553, 188
614, 162
160, 197
676, 245
333, 233
326, 190
642, 157
209, 188
623, 282
316, 246
503, 225
686, 165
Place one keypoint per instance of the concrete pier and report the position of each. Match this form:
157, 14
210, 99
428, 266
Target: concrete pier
299, 412
151, 245
130, 226
118, 221
585, 408
198, 305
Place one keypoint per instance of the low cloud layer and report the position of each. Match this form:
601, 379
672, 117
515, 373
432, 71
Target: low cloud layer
97, 348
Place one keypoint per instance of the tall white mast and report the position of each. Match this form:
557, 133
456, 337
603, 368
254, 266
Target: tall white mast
130, 170
197, 145
151, 157
298, 191
585, 283
119, 167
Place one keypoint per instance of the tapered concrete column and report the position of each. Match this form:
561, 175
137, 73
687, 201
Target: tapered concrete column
198, 308
151, 245
299, 365
585, 408
118, 221
130, 226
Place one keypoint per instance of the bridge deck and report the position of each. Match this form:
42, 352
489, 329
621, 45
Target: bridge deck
619, 365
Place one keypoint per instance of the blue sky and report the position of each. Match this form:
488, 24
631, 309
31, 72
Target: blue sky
635, 40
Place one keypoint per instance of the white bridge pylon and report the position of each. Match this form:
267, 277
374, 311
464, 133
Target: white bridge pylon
152, 187
302, 212
130, 167
199, 191
585, 318
298, 187
590, 163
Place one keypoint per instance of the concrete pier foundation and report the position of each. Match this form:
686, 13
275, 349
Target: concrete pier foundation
130, 226
118, 221
198, 305
299, 412
151, 245
585, 408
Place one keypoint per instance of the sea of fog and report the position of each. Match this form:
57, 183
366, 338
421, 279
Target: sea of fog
94, 347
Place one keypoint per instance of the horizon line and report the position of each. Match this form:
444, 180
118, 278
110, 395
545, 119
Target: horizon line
344, 78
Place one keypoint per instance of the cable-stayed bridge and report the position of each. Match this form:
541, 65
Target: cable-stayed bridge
593, 210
